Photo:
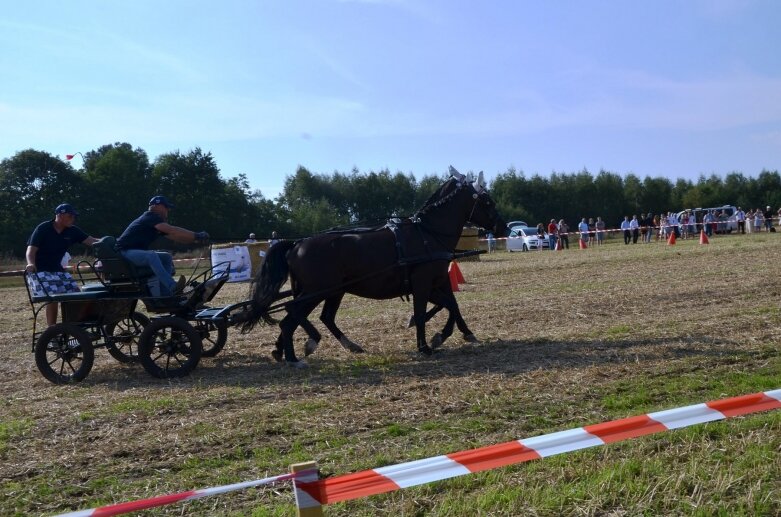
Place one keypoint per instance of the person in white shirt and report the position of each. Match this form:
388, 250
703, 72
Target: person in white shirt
583, 229
672, 223
634, 226
626, 228
740, 217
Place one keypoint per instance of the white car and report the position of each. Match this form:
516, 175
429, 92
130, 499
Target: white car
523, 238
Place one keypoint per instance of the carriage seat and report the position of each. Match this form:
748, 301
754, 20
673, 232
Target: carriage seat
114, 269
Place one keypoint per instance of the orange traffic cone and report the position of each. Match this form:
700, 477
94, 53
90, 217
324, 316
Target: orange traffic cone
671, 239
459, 275
582, 244
703, 237
453, 279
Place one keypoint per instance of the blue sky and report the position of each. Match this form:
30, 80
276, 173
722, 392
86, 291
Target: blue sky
655, 88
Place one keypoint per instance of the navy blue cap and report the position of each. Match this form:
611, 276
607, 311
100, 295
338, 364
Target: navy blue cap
65, 208
161, 200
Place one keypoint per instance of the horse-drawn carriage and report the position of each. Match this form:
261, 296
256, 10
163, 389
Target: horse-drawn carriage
401, 258
103, 314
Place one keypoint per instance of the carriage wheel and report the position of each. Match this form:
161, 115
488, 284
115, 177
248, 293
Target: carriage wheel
214, 335
169, 347
64, 353
123, 336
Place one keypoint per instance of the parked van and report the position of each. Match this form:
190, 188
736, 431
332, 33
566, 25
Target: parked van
726, 221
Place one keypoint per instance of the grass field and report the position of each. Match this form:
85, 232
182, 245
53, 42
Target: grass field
567, 339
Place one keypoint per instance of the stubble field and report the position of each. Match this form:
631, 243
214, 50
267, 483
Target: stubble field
567, 339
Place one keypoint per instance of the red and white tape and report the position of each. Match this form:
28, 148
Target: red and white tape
143, 504
413, 473
311, 493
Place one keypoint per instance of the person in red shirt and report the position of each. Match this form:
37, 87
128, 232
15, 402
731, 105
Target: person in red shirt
553, 231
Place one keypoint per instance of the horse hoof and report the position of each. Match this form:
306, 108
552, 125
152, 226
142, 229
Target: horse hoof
299, 365
425, 350
436, 341
470, 338
277, 355
349, 345
311, 346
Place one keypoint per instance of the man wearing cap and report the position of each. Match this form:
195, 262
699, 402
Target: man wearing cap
251, 239
49, 242
138, 236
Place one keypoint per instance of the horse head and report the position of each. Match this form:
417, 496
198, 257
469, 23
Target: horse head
483, 211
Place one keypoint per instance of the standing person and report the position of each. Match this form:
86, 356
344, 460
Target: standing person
625, 226
553, 231
657, 225
251, 239
592, 228
634, 225
672, 223
564, 233
757, 220
134, 244
274, 239
541, 238
49, 243
768, 218
685, 225
491, 242
740, 217
599, 226
649, 227
707, 223
749, 220
583, 229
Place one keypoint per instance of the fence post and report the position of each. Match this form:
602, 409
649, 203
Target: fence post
306, 505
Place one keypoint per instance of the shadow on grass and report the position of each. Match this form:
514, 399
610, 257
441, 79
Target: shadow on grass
454, 359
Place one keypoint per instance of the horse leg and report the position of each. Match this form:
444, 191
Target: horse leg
442, 302
328, 317
314, 337
311, 344
419, 302
452, 306
447, 299
296, 315
430, 314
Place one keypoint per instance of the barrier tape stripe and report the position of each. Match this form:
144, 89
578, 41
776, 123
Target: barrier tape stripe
143, 504
403, 475
314, 493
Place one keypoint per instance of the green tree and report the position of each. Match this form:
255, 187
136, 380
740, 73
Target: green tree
113, 173
32, 184
192, 181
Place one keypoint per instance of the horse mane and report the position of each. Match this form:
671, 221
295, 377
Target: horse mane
437, 199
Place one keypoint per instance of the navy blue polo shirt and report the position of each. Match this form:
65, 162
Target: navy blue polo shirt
53, 245
140, 234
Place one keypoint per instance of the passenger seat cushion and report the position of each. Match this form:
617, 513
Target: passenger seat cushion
45, 283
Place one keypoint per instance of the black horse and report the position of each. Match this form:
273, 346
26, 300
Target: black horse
402, 259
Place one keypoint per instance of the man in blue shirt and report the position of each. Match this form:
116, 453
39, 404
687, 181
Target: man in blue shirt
138, 236
48, 244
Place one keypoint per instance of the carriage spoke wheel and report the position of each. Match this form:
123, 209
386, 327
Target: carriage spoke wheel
64, 353
123, 336
169, 347
214, 334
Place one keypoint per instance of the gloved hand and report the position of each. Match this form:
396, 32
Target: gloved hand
201, 237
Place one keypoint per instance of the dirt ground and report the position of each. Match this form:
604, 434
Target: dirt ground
566, 339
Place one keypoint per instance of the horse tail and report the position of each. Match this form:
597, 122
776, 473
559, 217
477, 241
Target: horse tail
265, 287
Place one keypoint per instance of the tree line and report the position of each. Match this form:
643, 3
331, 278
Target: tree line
116, 181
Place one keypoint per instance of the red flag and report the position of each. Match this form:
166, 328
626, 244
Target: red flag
69, 156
